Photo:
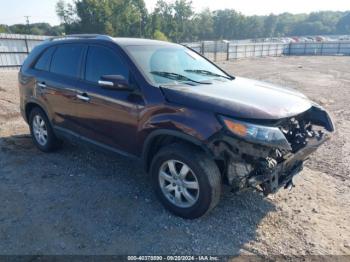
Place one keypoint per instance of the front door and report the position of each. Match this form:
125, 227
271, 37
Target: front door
108, 117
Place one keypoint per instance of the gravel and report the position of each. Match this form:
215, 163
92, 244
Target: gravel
79, 201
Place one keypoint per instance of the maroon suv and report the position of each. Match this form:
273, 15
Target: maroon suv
194, 126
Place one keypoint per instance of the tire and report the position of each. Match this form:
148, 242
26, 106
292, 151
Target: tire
50, 142
202, 173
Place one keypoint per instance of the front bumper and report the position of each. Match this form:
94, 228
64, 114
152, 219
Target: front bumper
266, 167
256, 166
282, 174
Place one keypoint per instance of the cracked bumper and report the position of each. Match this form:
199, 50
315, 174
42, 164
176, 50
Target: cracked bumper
282, 175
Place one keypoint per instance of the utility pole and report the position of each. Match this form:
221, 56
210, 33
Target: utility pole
27, 22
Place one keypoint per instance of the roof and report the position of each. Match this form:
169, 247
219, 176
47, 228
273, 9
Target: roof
139, 41
122, 41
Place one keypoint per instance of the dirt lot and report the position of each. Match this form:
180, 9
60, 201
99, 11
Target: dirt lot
77, 201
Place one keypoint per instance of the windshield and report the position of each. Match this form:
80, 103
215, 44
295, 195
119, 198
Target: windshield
173, 65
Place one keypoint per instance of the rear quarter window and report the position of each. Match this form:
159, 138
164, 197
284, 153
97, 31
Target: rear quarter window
66, 60
44, 61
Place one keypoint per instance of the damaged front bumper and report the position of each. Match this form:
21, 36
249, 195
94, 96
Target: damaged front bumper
267, 169
281, 175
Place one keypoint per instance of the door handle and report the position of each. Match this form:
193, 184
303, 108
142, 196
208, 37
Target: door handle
42, 85
83, 97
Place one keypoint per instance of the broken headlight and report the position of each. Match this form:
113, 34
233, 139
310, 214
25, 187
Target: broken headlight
265, 135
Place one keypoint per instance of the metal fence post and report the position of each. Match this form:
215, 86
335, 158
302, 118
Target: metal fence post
276, 49
338, 51
26, 43
289, 48
215, 50
322, 48
228, 51
202, 48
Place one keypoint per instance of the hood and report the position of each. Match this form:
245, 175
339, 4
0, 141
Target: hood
241, 98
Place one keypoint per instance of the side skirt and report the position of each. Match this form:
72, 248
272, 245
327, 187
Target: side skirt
74, 137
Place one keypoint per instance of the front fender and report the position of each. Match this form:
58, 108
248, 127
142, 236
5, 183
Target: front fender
195, 127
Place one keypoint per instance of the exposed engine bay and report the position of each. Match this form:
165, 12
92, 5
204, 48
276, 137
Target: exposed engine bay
265, 168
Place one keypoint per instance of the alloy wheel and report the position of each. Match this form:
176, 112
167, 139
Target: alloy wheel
179, 183
40, 130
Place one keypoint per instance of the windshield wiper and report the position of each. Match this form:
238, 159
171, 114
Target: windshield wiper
175, 76
206, 73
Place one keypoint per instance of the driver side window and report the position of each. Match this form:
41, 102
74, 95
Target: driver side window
103, 61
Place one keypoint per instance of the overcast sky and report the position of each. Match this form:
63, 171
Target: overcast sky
13, 11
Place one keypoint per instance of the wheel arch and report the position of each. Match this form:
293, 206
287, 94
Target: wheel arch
30, 106
162, 137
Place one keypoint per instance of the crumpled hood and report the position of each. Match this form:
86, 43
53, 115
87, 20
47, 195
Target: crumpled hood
242, 98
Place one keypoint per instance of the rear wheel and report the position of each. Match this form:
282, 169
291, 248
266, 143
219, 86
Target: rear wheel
186, 180
41, 131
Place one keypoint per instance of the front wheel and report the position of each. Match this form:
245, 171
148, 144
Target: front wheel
186, 180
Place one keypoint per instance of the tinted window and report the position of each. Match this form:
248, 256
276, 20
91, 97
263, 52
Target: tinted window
103, 61
44, 61
66, 60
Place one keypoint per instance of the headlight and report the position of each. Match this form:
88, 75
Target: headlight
265, 135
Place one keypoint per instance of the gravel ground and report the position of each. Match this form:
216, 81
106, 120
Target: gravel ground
77, 201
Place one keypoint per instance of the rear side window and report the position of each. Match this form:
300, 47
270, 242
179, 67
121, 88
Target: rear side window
103, 61
43, 63
66, 60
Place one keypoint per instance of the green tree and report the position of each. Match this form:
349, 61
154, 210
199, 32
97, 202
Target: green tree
183, 12
178, 22
3, 29
163, 19
228, 24
270, 24
67, 14
203, 25
343, 26
158, 35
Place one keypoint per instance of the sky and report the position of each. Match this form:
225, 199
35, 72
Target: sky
13, 11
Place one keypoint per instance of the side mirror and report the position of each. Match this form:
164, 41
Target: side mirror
115, 82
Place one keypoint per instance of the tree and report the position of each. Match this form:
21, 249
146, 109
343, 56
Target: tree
67, 14
270, 24
3, 29
227, 24
183, 12
343, 26
163, 19
178, 22
158, 35
203, 25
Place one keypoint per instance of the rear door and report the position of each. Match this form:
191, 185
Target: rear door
59, 86
108, 117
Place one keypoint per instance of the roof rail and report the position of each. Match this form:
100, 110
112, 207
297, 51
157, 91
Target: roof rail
81, 36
